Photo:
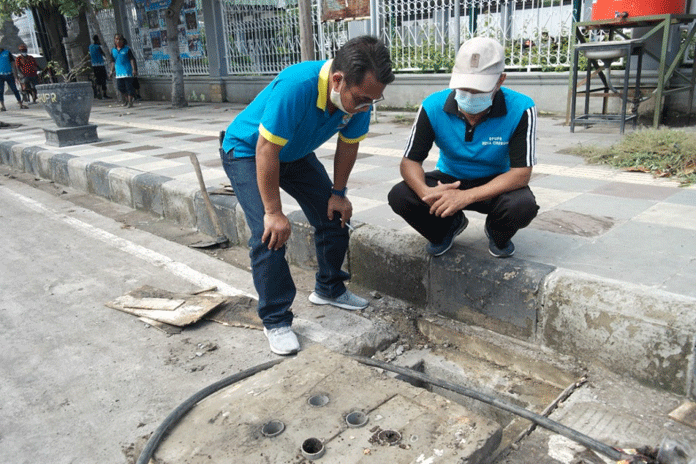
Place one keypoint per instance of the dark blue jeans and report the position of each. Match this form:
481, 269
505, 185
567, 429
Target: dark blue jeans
305, 180
9, 78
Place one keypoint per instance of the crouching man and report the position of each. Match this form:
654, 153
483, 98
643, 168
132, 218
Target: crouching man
486, 134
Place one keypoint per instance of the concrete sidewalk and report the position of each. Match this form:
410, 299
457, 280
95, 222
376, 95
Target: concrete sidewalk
605, 273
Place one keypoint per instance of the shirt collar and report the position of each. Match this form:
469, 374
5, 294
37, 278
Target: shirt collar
323, 85
498, 109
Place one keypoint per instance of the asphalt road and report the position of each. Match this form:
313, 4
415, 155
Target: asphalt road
82, 382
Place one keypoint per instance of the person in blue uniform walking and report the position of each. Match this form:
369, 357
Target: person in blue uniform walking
486, 134
96, 55
8, 74
270, 145
125, 69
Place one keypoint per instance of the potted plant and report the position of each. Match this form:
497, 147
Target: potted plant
66, 100
69, 103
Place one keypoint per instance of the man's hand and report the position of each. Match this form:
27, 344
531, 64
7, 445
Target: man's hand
445, 199
340, 205
276, 230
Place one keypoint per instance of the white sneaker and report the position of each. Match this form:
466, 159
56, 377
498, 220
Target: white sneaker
283, 340
348, 300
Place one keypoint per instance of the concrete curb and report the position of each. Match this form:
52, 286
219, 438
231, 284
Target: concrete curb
632, 330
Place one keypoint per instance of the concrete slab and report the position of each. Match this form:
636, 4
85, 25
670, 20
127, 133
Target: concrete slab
227, 426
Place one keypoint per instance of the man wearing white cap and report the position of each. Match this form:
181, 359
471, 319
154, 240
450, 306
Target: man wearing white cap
486, 135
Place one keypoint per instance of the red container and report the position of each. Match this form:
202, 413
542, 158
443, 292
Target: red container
608, 9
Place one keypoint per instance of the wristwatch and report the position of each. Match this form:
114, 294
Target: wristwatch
339, 193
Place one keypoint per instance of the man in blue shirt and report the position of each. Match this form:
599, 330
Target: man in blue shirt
486, 135
125, 68
96, 55
8, 73
270, 146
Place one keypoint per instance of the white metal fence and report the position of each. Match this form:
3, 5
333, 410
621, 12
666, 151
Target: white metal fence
425, 35
263, 35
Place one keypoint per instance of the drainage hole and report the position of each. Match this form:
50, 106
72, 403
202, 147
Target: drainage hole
356, 419
391, 437
318, 400
272, 428
312, 446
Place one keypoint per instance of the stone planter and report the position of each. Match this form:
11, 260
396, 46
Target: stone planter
69, 105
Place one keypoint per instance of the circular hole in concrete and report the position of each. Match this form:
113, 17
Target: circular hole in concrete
356, 419
391, 437
312, 449
319, 400
272, 428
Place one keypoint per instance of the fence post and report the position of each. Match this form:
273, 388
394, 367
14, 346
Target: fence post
306, 34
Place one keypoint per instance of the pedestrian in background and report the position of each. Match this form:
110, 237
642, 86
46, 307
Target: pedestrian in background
8, 74
270, 145
486, 134
96, 55
125, 69
28, 72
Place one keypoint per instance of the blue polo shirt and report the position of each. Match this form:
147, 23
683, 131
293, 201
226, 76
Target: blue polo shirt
122, 62
504, 139
96, 55
5, 62
292, 112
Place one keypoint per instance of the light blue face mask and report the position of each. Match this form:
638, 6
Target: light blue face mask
473, 103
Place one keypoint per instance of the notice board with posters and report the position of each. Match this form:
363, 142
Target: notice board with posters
151, 29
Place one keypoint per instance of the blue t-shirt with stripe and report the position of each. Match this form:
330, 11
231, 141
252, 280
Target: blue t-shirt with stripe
292, 112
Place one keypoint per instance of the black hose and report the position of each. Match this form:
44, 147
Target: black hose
187, 405
542, 421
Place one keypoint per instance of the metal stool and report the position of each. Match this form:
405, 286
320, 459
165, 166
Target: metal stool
607, 52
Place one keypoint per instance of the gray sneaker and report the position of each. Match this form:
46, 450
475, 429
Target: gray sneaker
283, 340
348, 300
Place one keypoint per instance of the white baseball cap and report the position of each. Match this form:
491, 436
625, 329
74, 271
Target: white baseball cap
480, 62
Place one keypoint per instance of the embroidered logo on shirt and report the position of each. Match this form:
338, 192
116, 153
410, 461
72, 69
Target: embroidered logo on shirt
494, 141
345, 120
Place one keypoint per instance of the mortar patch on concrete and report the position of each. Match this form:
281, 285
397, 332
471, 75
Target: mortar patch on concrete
572, 223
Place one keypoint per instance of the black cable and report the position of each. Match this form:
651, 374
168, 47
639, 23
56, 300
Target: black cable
542, 421
187, 405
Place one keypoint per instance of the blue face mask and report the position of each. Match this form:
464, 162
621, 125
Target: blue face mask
473, 103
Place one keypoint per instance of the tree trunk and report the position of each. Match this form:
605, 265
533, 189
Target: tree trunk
178, 93
53, 22
92, 17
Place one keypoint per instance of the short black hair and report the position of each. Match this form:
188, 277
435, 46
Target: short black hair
95, 39
361, 55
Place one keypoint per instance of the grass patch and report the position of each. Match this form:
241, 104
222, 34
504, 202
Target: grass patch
662, 152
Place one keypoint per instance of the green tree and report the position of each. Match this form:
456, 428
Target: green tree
51, 11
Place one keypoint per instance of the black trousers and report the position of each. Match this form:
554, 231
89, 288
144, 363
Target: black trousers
505, 214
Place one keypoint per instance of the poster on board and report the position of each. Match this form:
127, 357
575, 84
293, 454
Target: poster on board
152, 27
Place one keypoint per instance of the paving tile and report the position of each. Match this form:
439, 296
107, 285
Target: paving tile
620, 189
608, 206
215, 163
206, 138
110, 143
176, 154
141, 148
171, 134
572, 184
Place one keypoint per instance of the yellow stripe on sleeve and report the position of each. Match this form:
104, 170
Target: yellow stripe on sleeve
347, 140
270, 137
